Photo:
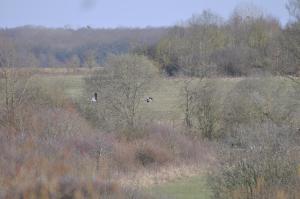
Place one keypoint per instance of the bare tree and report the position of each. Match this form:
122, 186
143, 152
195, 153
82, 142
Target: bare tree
201, 107
13, 87
187, 93
293, 7
121, 87
291, 45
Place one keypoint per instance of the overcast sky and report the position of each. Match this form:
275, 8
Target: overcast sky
124, 13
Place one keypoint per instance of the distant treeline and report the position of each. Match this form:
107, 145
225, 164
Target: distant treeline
64, 47
248, 43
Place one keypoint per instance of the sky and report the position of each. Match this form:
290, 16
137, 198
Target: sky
121, 13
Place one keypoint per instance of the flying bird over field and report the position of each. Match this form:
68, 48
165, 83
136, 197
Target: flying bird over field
148, 99
94, 99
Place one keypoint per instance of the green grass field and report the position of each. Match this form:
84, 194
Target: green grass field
190, 188
72, 85
166, 106
168, 103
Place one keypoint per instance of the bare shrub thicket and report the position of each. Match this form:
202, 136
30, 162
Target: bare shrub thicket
14, 87
202, 108
260, 152
14, 93
265, 164
160, 146
35, 164
183, 147
28, 107
73, 188
121, 87
257, 100
49, 140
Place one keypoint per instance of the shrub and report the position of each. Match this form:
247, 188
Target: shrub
258, 165
257, 100
68, 188
202, 109
121, 87
149, 154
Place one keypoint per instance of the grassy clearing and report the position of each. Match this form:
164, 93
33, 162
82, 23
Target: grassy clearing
167, 104
73, 85
190, 188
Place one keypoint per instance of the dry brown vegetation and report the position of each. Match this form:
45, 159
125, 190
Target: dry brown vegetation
49, 150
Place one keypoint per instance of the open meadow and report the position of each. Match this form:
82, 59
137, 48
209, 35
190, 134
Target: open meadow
168, 101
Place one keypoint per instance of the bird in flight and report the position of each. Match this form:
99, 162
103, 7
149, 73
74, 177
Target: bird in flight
94, 98
148, 99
